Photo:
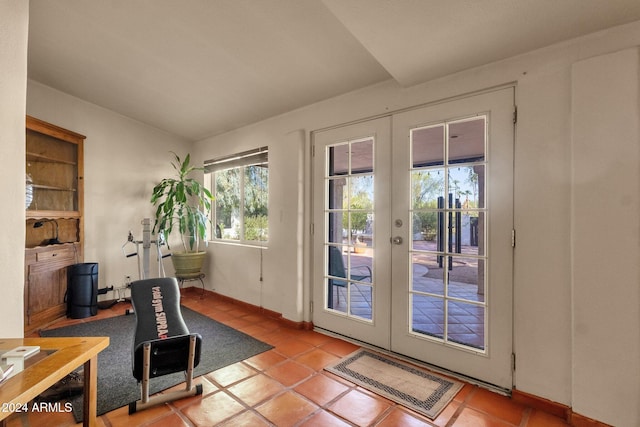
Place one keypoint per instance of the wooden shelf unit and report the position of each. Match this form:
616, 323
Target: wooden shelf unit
54, 161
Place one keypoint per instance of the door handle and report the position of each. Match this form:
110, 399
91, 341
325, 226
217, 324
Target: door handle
396, 240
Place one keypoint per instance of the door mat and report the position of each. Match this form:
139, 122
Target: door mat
419, 389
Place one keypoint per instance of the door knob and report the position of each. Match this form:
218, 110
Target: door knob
396, 240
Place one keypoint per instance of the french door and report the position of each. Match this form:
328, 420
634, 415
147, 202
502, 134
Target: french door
413, 220
352, 283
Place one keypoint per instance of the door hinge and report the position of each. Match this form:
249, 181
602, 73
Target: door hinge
310, 306
312, 229
513, 238
515, 115
313, 151
513, 361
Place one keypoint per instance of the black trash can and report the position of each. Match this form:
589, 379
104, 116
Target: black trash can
82, 290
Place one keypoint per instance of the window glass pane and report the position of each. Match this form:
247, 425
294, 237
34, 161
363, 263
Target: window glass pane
476, 182
338, 224
427, 315
427, 146
227, 202
471, 180
360, 228
361, 192
427, 273
466, 141
336, 278
466, 183
361, 209
364, 239
337, 298
360, 268
338, 160
467, 232
337, 261
465, 324
362, 157
466, 278
241, 198
256, 228
425, 230
361, 197
361, 300
256, 191
338, 193
427, 187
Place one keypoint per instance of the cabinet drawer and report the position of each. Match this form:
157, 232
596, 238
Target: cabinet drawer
55, 254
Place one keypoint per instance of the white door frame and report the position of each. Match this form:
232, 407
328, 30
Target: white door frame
491, 365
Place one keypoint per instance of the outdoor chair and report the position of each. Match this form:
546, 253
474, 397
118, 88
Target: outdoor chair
337, 270
162, 343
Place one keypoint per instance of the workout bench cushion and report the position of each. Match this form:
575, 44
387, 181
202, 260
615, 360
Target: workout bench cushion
156, 303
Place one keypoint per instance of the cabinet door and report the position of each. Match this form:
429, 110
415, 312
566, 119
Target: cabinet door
46, 287
54, 169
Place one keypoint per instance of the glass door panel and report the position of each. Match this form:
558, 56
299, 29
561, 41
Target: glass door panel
451, 297
442, 229
351, 284
349, 208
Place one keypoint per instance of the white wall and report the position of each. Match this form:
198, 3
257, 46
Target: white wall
14, 25
606, 231
234, 270
564, 337
545, 301
123, 159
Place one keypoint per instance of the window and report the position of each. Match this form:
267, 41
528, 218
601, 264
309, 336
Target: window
240, 185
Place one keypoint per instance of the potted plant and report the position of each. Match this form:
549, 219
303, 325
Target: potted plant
184, 202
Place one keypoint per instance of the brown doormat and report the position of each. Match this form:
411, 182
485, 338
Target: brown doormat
419, 389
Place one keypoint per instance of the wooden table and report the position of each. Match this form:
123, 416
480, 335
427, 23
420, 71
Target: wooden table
67, 354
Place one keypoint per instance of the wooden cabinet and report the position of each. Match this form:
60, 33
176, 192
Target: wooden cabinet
54, 225
46, 284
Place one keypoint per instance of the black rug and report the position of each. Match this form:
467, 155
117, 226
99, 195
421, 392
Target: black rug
221, 346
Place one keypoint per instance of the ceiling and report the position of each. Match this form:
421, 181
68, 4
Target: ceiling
197, 68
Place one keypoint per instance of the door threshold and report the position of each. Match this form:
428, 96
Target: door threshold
437, 369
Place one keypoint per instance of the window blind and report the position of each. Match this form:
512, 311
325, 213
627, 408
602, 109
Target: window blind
258, 156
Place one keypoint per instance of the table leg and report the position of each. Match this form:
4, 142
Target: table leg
90, 392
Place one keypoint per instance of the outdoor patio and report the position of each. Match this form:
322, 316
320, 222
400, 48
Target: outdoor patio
465, 317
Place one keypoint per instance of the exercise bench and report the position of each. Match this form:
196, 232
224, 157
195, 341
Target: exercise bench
162, 342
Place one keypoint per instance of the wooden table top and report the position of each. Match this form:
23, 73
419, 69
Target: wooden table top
66, 354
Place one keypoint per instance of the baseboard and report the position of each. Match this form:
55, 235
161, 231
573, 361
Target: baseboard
254, 308
554, 408
550, 407
578, 420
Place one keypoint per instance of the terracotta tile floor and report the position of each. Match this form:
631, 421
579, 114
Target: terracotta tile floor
286, 386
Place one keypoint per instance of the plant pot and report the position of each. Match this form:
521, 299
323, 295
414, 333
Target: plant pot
188, 265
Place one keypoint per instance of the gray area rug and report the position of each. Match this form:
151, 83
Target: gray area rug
419, 389
221, 346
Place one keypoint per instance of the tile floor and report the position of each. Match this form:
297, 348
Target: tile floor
286, 386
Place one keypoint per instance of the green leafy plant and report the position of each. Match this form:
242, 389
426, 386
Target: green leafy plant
184, 202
